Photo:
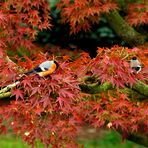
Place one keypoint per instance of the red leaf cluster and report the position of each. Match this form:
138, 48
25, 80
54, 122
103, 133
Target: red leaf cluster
139, 13
21, 20
82, 14
110, 65
53, 109
44, 108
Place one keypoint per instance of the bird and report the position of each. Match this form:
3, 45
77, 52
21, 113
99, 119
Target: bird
44, 69
135, 65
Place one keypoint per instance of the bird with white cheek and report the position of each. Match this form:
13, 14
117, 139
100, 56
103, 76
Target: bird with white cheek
135, 65
44, 69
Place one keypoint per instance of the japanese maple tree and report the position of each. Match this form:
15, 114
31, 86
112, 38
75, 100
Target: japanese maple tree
99, 92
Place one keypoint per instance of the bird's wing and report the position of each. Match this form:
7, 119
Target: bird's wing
46, 65
30, 72
135, 63
38, 69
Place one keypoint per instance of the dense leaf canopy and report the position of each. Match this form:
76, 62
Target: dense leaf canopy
99, 92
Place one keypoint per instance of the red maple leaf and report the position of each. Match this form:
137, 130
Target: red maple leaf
18, 93
62, 101
27, 82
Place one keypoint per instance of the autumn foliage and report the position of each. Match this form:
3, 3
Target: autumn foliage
53, 109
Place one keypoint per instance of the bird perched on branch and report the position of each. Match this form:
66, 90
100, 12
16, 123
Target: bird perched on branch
44, 69
135, 65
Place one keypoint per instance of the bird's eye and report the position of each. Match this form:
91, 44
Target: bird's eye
134, 58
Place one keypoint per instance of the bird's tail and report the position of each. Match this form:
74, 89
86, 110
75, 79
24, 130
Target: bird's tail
29, 72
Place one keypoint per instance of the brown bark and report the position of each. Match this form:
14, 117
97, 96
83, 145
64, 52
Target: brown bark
124, 30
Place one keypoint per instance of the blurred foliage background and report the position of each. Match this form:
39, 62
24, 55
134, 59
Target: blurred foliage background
101, 35
108, 139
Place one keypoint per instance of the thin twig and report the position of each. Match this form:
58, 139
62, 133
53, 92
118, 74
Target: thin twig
5, 89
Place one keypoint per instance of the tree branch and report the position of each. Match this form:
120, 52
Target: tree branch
5, 89
139, 90
95, 88
124, 30
139, 139
5, 95
4, 92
